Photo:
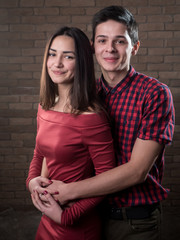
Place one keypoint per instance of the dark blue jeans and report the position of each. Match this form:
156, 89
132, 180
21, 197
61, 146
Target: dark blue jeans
134, 229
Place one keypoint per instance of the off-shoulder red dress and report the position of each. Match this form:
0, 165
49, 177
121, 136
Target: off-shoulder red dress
75, 147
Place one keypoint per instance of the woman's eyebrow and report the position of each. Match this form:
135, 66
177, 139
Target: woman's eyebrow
51, 49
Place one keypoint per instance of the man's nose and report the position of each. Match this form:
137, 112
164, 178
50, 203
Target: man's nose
110, 47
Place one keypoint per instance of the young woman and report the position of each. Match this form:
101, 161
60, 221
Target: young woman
73, 135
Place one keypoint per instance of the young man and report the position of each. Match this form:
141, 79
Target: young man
142, 114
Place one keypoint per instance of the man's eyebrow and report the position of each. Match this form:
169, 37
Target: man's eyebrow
118, 36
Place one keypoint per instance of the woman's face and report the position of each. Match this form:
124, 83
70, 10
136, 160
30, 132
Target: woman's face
61, 60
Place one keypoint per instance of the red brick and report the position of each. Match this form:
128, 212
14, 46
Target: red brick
152, 43
9, 98
149, 11
10, 67
160, 18
104, 3
160, 51
33, 19
20, 11
46, 11
84, 3
3, 28
22, 28
9, 19
31, 67
160, 67
4, 106
34, 35
32, 3
172, 9
33, 52
29, 99
21, 60
9, 3
160, 35
59, 19
20, 121
20, 75
15, 158
151, 59
151, 27
55, 3
162, 2
72, 11
47, 27
172, 26
22, 106
171, 59
172, 43
9, 35
81, 19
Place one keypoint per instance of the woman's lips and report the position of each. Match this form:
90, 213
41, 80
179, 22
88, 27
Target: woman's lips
58, 72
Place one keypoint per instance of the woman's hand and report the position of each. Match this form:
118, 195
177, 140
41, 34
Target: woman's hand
38, 184
48, 206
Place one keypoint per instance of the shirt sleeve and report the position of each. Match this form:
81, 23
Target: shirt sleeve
158, 116
100, 146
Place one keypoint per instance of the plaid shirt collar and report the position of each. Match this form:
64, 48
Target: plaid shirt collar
121, 85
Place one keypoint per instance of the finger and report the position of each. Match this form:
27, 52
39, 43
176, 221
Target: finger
45, 182
50, 199
42, 196
40, 204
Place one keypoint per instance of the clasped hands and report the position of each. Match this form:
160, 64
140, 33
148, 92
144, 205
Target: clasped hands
45, 197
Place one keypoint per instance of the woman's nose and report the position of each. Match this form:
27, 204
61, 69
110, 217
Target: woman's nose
58, 62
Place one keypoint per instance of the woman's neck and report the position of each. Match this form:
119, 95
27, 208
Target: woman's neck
63, 101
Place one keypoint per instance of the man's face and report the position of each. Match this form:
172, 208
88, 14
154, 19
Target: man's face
113, 46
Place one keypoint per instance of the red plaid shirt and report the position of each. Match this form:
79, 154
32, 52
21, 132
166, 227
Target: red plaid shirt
141, 107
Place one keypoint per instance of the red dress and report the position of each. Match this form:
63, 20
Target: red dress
75, 147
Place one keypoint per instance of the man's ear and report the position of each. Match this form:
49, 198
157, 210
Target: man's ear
92, 46
135, 48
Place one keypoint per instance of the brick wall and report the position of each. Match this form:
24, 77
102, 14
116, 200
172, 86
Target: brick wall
24, 28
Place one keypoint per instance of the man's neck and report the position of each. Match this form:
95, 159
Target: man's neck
113, 78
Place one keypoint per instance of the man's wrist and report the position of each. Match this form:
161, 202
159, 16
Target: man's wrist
72, 193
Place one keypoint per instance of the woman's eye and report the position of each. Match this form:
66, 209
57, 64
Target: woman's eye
69, 57
51, 54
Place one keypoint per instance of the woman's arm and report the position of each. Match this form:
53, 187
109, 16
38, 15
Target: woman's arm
44, 170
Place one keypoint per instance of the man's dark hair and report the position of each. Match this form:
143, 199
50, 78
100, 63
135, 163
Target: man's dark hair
118, 14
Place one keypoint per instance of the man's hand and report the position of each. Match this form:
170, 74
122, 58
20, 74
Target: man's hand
48, 206
59, 190
38, 184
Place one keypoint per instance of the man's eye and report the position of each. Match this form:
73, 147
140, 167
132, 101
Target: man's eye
120, 42
101, 40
